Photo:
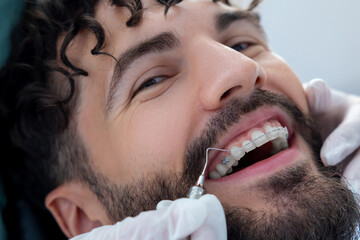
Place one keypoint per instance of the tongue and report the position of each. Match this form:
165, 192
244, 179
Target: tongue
256, 155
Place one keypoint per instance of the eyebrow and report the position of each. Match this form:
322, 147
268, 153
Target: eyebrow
163, 42
225, 19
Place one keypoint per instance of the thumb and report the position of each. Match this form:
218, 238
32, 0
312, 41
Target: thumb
210, 224
318, 96
340, 143
351, 174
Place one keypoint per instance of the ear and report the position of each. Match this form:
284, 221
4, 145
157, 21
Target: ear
76, 209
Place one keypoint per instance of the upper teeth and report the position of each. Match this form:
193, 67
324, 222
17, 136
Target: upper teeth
237, 152
277, 135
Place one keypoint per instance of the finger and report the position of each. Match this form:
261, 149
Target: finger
163, 204
214, 227
186, 218
318, 96
352, 173
340, 143
177, 221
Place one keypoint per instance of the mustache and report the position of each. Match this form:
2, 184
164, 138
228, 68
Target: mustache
231, 114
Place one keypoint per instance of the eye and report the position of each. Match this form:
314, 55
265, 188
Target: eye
150, 83
242, 46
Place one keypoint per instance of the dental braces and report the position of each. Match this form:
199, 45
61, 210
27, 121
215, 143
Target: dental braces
226, 159
197, 190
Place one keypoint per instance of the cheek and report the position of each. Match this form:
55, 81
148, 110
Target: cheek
281, 79
155, 137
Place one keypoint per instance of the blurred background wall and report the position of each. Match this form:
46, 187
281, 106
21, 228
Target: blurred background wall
318, 38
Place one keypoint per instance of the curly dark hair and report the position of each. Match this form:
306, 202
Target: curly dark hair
38, 97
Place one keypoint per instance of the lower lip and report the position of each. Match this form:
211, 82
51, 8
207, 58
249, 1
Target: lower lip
265, 167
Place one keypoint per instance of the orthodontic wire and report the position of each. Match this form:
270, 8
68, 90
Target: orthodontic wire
201, 179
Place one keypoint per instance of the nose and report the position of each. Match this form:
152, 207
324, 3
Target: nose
223, 73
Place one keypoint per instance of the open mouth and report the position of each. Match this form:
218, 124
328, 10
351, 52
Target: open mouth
261, 143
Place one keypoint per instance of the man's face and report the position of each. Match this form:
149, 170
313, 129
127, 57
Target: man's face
163, 100
176, 76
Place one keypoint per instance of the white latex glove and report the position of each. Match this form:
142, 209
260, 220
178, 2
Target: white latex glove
338, 116
202, 218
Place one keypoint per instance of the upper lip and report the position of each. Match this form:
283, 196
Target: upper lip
247, 122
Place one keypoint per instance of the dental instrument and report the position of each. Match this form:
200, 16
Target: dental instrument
197, 190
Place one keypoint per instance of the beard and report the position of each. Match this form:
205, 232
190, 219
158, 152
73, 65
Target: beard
307, 205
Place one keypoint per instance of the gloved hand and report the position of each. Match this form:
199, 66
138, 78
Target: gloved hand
202, 218
339, 117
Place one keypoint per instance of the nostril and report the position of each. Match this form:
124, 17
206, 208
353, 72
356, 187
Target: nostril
227, 93
261, 78
259, 81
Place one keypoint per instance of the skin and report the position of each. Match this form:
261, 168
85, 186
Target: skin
150, 132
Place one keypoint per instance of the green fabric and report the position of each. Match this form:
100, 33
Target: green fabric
2, 205
10, 11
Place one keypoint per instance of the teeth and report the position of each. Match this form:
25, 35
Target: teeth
280, 144
271, 132
286, 132
277, 135
248, 146
225, 160
214, 175
221, 169
235, 163
237, 152
281, 132
231, 162
259, 138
